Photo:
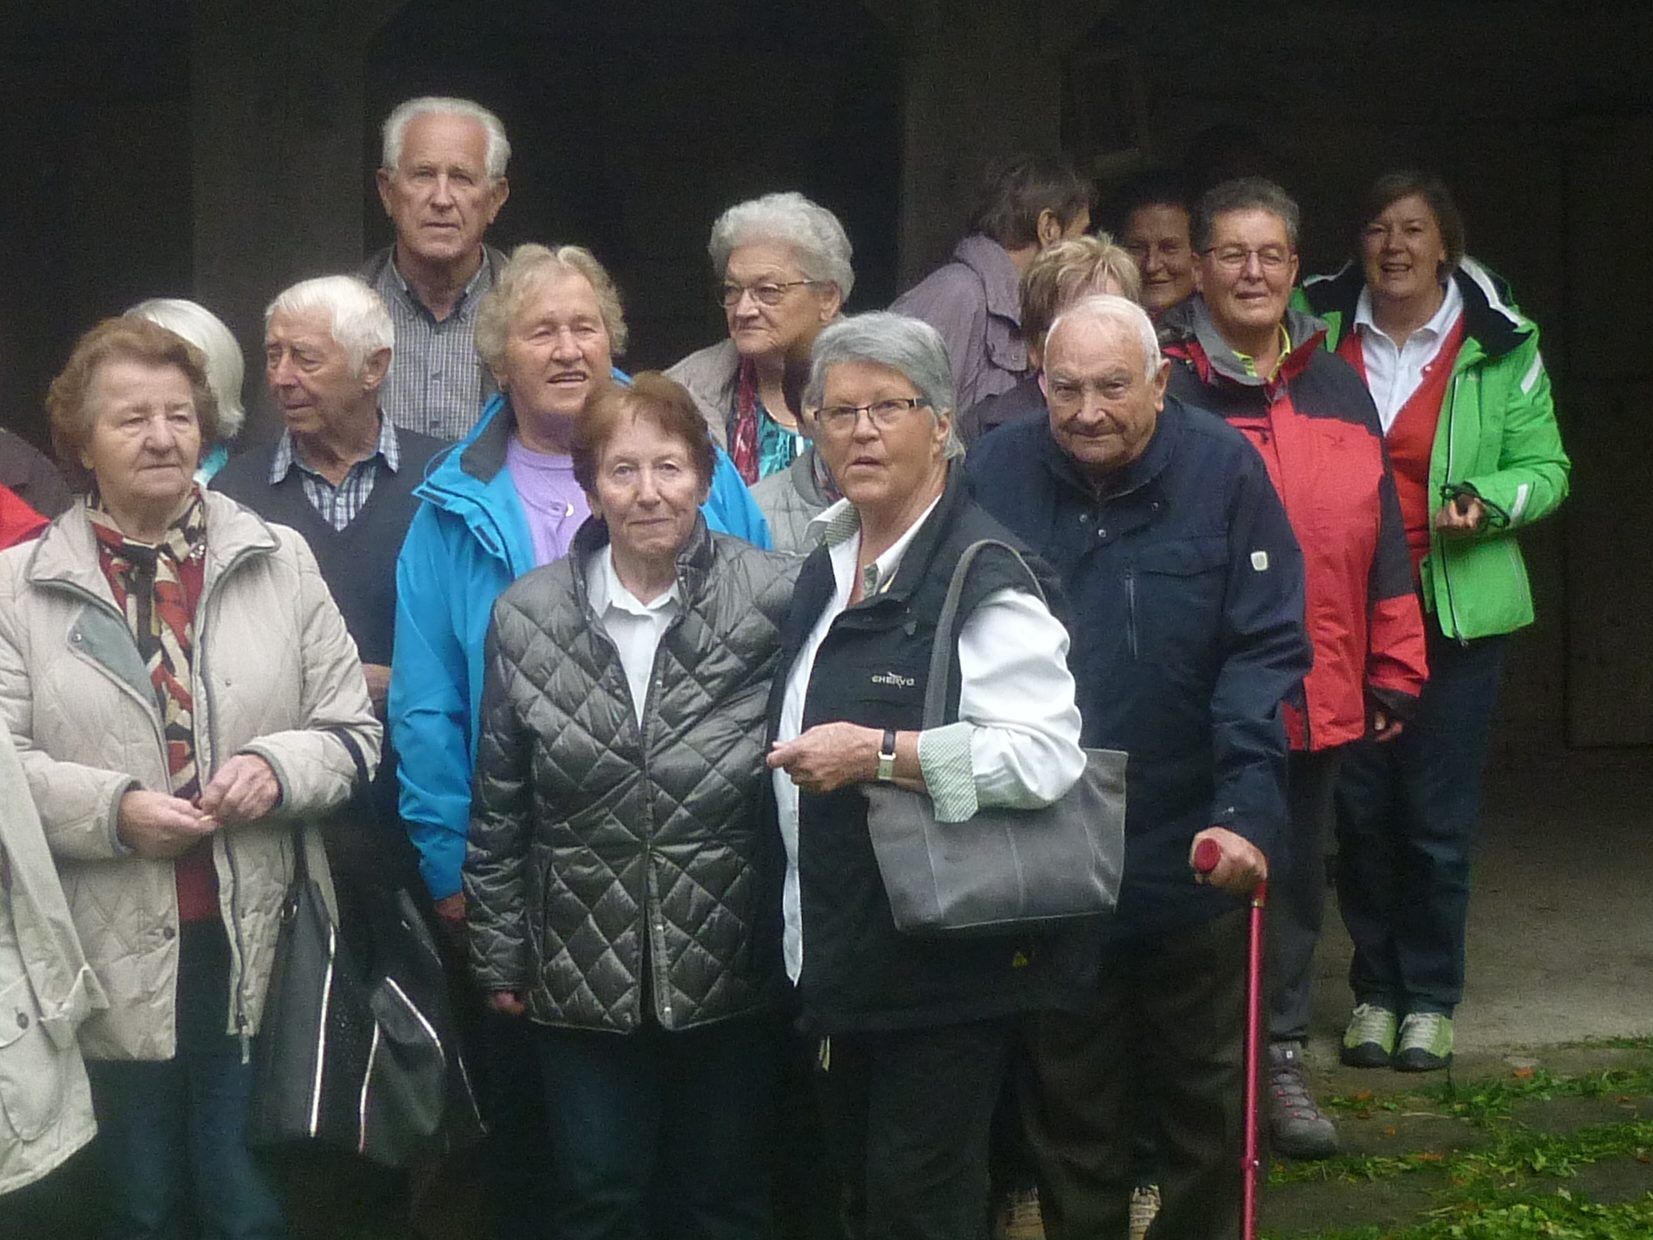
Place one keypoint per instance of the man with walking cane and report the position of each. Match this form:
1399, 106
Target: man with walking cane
1188, 587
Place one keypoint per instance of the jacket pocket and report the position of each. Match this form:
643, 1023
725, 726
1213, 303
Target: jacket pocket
31, 1069
1175, 597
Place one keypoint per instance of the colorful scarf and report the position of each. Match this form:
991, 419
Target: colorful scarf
743, 429
157, 589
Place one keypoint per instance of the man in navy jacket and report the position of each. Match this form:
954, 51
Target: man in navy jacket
1187, 585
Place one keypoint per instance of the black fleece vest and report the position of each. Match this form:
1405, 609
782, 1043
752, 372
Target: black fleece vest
859, 972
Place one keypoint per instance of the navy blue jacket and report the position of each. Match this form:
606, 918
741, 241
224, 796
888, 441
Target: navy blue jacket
1186, 585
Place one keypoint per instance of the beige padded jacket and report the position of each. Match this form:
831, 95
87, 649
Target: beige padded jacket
274, 674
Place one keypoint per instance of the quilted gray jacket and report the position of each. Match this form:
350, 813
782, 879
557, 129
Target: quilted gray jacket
605, 856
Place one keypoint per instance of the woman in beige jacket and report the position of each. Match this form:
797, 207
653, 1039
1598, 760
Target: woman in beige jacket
181, 689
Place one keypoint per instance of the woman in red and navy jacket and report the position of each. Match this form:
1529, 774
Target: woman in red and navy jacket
1246, 356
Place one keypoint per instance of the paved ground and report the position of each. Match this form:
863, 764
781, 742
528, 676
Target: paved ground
1560, 953
1561, 919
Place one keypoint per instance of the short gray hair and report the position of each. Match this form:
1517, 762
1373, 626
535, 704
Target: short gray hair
1245, 194
226, 367
811, 231
361, 324
498, 151
908, 346
1121, 312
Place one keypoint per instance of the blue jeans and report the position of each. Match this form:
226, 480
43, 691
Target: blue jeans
1406, 813
661, 1134
171, 1134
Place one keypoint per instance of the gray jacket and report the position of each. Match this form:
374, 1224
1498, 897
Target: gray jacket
605, 856
46, 990
274, 673
791, 499
711, 376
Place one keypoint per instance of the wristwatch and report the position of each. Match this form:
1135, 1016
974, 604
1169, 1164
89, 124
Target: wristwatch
886, 756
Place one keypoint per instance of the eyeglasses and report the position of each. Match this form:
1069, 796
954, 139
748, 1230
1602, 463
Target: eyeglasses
1235, 257
883, 414
769, 293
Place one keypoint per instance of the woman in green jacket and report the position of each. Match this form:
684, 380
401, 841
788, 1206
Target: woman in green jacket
1456, 374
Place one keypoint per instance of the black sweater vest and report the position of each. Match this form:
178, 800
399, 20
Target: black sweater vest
859, 972
358, 563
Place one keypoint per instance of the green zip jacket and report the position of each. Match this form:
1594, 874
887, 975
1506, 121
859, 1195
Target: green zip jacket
1497, 432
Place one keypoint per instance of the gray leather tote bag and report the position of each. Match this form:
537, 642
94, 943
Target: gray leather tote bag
1005, 870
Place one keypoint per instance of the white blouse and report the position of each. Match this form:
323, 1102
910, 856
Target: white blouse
1017, 739
1393, 372
634, 627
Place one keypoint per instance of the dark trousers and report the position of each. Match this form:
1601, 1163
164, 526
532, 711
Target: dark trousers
1170, 1012
1407, 813
1297, 890
659, 1134
907, 1115
172, 1134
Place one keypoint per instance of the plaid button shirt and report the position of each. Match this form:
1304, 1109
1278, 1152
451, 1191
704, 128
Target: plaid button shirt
338, 505
435, 380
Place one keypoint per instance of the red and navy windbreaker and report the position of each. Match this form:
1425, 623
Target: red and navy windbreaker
1317, 430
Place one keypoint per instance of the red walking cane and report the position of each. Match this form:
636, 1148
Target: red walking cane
1206, 857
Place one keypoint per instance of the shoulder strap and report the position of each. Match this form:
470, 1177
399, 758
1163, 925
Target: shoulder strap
946, 640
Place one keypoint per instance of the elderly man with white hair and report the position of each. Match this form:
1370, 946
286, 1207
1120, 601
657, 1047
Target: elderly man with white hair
442, 182
1187, 585
342, 474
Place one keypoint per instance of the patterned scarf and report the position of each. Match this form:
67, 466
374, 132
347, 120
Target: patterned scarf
157, 588
743, 430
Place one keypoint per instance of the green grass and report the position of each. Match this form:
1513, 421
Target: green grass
1512, 1182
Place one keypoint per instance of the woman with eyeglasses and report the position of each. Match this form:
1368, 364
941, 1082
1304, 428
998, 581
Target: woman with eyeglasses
911, 1034
782, 270
1464, 402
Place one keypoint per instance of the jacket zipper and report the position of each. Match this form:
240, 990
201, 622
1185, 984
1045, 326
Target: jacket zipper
1130, 604
241, 1022
1451, 444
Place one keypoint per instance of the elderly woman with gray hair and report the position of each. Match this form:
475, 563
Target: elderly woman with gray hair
783, 272
912, 1032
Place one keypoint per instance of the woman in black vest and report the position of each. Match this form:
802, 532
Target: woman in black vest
912, 1032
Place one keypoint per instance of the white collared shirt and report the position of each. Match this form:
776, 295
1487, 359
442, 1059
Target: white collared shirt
634, 627
1393, 372
1017, 739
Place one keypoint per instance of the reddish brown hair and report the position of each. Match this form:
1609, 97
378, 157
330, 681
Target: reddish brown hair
650, 395
124, 339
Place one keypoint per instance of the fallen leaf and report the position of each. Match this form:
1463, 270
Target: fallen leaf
1522, 1074
1391, 1131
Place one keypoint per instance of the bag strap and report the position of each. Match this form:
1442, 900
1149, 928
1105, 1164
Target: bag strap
946, 641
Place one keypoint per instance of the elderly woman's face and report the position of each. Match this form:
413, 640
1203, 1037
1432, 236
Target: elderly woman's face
144, 440
1403, 251
648, 490
882, 456
557, 351
762, 269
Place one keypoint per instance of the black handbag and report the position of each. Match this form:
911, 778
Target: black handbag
1003, 870
356, 1049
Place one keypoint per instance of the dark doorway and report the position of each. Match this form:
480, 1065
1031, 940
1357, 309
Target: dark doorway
634, 124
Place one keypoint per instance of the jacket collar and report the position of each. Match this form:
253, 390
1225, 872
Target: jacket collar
694, 558
1490, 318
66, 553
1189, 325
999, 277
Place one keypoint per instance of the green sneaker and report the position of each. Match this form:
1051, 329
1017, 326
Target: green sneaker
1425, 1042
1369, 1041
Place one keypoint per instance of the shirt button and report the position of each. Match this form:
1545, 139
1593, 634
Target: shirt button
1101, 533
22, 1020
1084, 518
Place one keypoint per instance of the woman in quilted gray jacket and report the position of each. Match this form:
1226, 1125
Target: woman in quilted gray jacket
180, 687
622, 891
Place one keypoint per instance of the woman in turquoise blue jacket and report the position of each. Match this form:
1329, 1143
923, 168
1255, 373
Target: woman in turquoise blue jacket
1461, 391
548, 330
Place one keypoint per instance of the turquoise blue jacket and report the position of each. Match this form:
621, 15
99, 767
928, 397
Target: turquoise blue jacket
468, 541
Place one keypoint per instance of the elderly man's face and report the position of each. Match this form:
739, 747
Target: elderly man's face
439, 196
1103, 404
1246, 273
309, 375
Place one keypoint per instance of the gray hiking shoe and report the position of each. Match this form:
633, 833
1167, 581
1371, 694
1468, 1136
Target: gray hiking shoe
1297, 1127
1144, 1209
1369, 1041
1425, 1042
